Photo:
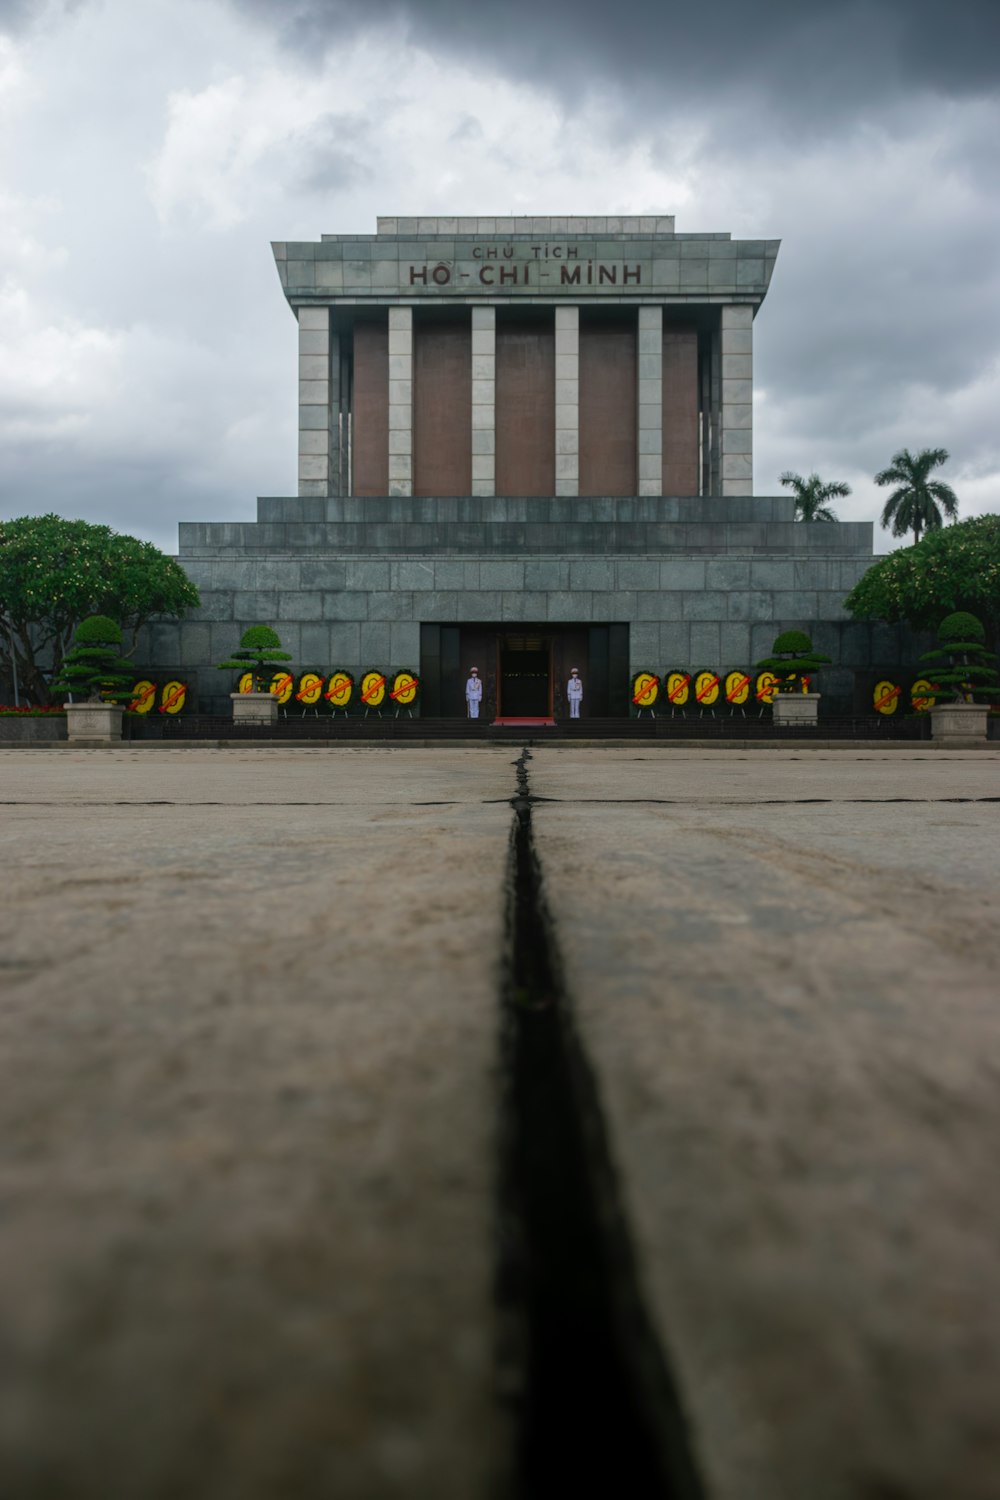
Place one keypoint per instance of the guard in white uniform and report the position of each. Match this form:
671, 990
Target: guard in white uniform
574, 692
473, 693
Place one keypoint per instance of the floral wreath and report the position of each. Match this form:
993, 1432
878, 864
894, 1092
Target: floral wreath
677, 685
173, 697
405, 689
374, 695
707, 687
281, 685
310, 689
143, 697
342, 678
645, 688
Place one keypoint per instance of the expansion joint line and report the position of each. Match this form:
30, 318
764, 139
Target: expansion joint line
594, 1401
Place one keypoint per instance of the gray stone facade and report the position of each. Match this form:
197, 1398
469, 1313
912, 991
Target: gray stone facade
354, 581
349, 582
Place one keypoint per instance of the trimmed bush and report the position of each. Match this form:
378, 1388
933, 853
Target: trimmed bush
962, 667
792, 658
259, 649
961, 626
93, 666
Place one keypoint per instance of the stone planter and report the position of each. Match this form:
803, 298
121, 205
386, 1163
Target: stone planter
796, 708
94, 723
959, 726
254, 708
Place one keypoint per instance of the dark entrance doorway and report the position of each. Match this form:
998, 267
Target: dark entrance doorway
525, 676
601, 651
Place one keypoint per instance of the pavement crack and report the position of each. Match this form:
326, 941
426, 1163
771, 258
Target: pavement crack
190, 802
578, 1354
727, 802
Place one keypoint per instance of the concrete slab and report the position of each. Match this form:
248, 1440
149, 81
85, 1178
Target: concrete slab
703, 773
248, 1024
248, 1147
791, 1009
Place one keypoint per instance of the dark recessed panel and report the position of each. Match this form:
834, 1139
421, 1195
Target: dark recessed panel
370, 419
608, 410
442, 406
680, 411
525, 407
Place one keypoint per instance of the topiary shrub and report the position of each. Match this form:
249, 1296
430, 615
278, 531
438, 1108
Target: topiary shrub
259, 649
94, 664
792, 659
962, 666
961, 626
792, 640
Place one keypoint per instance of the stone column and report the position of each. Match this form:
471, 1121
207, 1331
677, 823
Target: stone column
737, 400
484, 388
707, 432
400, 401
650, 438
567, 400
314, 400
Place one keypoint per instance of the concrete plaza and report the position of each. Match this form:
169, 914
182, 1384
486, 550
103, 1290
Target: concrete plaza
249, 1124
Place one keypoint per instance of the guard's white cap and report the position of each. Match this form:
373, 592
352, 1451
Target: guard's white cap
572, 670
473, 669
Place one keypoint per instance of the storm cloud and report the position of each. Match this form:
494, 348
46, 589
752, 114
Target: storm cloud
817, 63
149, 153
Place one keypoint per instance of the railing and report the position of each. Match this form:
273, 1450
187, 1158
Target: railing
670, 726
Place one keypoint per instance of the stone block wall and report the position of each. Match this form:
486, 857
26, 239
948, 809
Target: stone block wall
348, 583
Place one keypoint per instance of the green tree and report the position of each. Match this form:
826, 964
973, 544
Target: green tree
93, 664
792, 658
917, 501
812, 494
961, 665
54, 573
259, 649
953, 568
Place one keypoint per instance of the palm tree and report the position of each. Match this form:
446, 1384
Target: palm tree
812, 494
914, 503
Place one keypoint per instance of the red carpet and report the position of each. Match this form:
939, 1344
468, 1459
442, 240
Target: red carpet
527, 723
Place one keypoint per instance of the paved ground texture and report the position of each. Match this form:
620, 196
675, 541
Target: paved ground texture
248, 1122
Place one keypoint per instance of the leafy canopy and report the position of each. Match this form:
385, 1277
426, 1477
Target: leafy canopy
812, 494
961, 626
54, 573
792, 642
917, 501
98, 630
260, 636
952, 568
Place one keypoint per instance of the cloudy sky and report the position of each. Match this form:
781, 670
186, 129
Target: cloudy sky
151, 149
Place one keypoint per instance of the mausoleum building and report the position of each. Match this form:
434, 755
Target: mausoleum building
525, 444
